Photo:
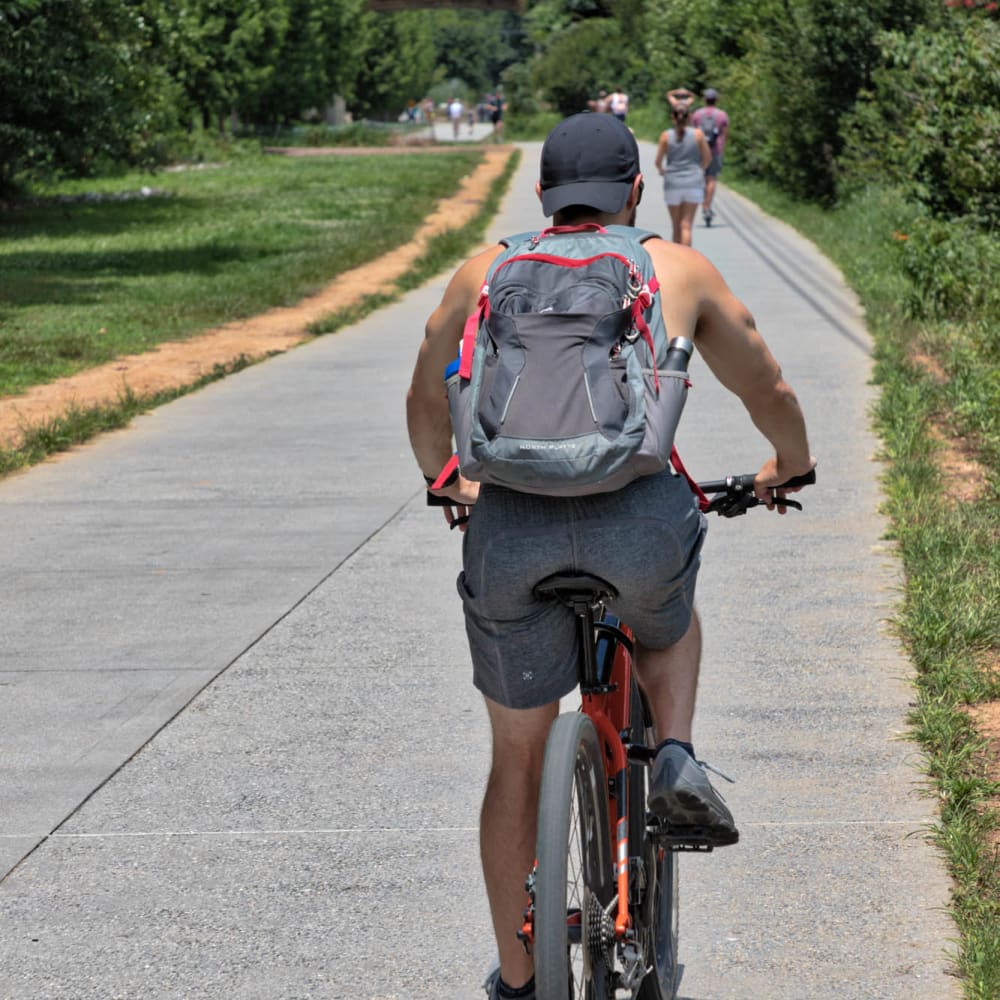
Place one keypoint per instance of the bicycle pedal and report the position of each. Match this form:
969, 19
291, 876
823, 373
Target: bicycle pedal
679, 839
678, 843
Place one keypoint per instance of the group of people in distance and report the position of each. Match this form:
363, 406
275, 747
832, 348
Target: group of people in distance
689, 158
491, 109
688, 154
615, 103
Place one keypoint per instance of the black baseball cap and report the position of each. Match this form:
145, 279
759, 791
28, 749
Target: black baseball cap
588, 159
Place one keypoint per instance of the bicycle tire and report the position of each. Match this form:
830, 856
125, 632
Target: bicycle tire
657, 917
574, 874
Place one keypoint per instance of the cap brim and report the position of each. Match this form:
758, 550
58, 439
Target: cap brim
604, 196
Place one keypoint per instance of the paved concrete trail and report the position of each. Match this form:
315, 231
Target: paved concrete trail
241, 755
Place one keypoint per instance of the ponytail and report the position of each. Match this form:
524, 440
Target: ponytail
680, 116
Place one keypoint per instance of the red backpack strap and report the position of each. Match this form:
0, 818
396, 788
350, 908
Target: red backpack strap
471, 328
447, 475
642, 302
675, 461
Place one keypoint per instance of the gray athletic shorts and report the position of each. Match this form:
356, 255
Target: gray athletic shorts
715, 167
645, 540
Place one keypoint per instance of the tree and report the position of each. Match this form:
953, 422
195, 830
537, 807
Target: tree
222, 53
397, 62
789, 71
317, 58
475, 47
79, 87
931, 120
568, 74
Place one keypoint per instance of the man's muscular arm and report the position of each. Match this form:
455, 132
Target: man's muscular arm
727, 338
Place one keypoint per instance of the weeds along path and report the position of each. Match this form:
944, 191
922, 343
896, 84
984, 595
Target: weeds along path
177, 364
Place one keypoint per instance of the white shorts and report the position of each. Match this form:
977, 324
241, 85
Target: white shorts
690, 196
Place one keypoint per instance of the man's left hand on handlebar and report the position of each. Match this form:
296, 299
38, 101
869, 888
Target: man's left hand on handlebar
773, 473
463, 493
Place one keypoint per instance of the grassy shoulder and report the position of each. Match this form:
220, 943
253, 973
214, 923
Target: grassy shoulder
938, 414
93, 270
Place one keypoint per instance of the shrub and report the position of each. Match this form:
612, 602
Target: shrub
952, 266
932, 119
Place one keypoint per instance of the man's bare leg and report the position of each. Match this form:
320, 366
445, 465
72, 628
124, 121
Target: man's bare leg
676, 214
680, 792
508, 825
669, 678
710, 183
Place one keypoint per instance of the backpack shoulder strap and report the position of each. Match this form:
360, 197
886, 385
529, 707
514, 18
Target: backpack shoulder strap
634, 234
518, 238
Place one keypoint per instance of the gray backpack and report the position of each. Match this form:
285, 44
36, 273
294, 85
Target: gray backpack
710, 128
561, 386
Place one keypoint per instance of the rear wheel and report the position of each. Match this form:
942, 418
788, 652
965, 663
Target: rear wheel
657, 913
574, 879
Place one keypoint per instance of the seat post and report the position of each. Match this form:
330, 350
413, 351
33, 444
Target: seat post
584, 611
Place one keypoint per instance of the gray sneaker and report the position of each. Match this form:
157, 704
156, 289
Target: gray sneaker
683, 799
492, 986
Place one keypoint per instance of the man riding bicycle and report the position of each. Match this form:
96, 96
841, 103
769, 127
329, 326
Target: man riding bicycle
644, 539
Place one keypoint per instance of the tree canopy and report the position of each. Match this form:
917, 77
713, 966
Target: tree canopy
817, 93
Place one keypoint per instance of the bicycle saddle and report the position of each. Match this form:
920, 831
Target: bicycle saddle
573, 587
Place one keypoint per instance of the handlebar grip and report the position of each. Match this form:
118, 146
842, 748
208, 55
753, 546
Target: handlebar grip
433, 500
807, 480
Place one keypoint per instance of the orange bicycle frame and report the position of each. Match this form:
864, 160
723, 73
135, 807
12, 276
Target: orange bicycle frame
609, 709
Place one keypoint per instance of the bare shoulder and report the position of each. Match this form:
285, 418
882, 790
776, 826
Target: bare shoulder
695, 297
469, 278
684, 269
462, 293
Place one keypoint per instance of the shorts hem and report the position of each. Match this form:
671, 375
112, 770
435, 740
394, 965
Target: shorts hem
685, 196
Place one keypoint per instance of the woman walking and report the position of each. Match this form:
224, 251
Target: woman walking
687, 155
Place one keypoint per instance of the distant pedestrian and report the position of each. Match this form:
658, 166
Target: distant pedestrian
455, 109
600, 103
714, 124
427, 108
497, 108
618, 104
682, 155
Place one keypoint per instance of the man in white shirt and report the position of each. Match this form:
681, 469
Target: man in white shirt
455, 110
618, 104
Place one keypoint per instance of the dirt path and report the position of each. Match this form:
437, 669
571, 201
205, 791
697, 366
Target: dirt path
176, 364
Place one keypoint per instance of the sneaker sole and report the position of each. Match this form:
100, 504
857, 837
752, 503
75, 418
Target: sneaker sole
684, 814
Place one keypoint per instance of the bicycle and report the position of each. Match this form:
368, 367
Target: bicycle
596, 926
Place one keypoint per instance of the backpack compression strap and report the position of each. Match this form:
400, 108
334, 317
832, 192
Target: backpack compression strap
642, 302
481, 312
447, 475
675, 461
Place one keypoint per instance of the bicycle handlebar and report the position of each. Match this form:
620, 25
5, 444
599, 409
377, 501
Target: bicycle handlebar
735, 494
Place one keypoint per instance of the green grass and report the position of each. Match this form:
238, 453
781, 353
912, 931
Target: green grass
949, 613
80, 424
443, 251
529, 128
82, 282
